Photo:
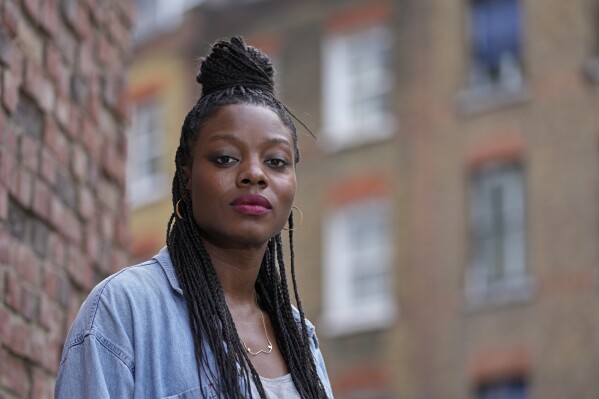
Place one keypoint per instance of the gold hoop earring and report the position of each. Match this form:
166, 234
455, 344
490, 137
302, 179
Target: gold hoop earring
300, 221
177, 210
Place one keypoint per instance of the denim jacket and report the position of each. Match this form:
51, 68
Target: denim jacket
131, 339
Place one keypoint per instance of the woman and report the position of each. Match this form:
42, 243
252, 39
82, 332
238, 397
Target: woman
210, 315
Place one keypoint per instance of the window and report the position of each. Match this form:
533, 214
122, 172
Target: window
357, 84
358, 256
146, 177
498, 231
496, 47
156, 16
591, 67
510, 389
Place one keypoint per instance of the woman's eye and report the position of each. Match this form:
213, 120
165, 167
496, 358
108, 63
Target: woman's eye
277, 163
224, 160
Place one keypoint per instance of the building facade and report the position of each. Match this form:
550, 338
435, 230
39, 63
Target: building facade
449, 241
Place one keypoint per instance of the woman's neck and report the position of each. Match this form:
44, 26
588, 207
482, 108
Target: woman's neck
237, 271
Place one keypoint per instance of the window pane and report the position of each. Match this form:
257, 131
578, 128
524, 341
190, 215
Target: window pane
495, 30
513, 389
497, 218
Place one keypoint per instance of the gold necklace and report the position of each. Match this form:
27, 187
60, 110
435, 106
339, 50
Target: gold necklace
265, 351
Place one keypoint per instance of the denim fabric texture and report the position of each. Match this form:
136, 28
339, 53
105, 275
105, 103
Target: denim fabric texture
131, 339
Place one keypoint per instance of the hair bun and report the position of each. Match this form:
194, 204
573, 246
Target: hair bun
234, 63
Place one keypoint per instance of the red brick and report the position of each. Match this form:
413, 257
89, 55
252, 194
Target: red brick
7, 159
79, 163
51, 317
42, 201
5, 326
79, 268
13, 374
3, 202
62, 149
57, 142
118, 33
123, 109
114, 165
92, 139
5, 246
98, 15
46, 350
42, 383
86, 203
50, 19
85, 59
74, 126
48, 166
62, 112
27, 265
102, 49
7, 47
128, 12
92, 245
107, 225
29, 151
11, 83
75, 13
22, 187
10, 18
13, 291
58, 212
29, 304
123, 237
56, 245
52, 62
32, 8
503, 147
50, 284
70, 227
20, 343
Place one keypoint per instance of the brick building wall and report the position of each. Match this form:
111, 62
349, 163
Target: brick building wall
63, 219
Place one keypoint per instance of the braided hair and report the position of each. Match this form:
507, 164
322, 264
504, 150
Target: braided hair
235, 73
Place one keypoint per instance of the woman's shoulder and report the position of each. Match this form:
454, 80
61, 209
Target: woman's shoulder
120, 295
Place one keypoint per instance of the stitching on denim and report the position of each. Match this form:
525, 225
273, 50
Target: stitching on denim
96, 300
114, 349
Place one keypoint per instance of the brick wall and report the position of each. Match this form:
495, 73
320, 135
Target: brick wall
63, 220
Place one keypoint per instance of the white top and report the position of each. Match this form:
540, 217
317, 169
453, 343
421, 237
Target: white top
277, 388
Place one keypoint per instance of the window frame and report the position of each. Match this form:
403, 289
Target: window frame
343, 313
514, 282
482, 92
146, 188
341, 127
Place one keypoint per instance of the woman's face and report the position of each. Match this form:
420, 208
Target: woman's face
242, 178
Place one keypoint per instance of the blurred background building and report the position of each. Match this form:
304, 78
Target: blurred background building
449, 246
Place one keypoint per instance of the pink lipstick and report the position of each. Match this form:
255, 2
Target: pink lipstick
251, 204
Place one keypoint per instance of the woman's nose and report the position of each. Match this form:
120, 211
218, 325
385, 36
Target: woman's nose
252, 172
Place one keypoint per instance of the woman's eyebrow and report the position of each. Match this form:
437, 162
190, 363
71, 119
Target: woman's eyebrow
231, 137
224, 137
280, 140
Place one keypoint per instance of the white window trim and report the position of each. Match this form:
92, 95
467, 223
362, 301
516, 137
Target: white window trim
516, 285
147, 189
340, 316
339, 131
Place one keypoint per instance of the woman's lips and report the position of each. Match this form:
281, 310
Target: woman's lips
252, 204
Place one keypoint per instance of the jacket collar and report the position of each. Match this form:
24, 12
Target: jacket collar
164, 259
